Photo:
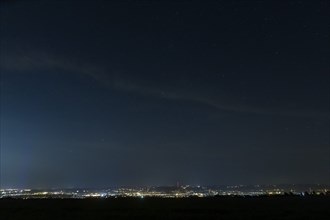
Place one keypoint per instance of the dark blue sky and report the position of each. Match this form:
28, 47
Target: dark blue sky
100, 93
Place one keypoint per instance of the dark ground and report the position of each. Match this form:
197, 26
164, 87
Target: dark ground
153, 208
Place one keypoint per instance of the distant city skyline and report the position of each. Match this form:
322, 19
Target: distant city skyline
184, 191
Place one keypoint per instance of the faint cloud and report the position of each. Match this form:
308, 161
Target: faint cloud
38, 60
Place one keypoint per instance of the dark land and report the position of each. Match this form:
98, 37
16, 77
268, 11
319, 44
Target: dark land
282, 207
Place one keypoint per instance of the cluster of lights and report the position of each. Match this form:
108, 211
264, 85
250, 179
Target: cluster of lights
174, 192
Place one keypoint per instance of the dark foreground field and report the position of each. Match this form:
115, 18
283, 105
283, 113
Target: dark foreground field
152, 208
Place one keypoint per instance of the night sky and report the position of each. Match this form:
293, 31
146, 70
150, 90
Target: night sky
113, 93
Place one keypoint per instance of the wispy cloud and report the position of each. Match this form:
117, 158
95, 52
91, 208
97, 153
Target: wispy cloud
224, 102
38, 60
